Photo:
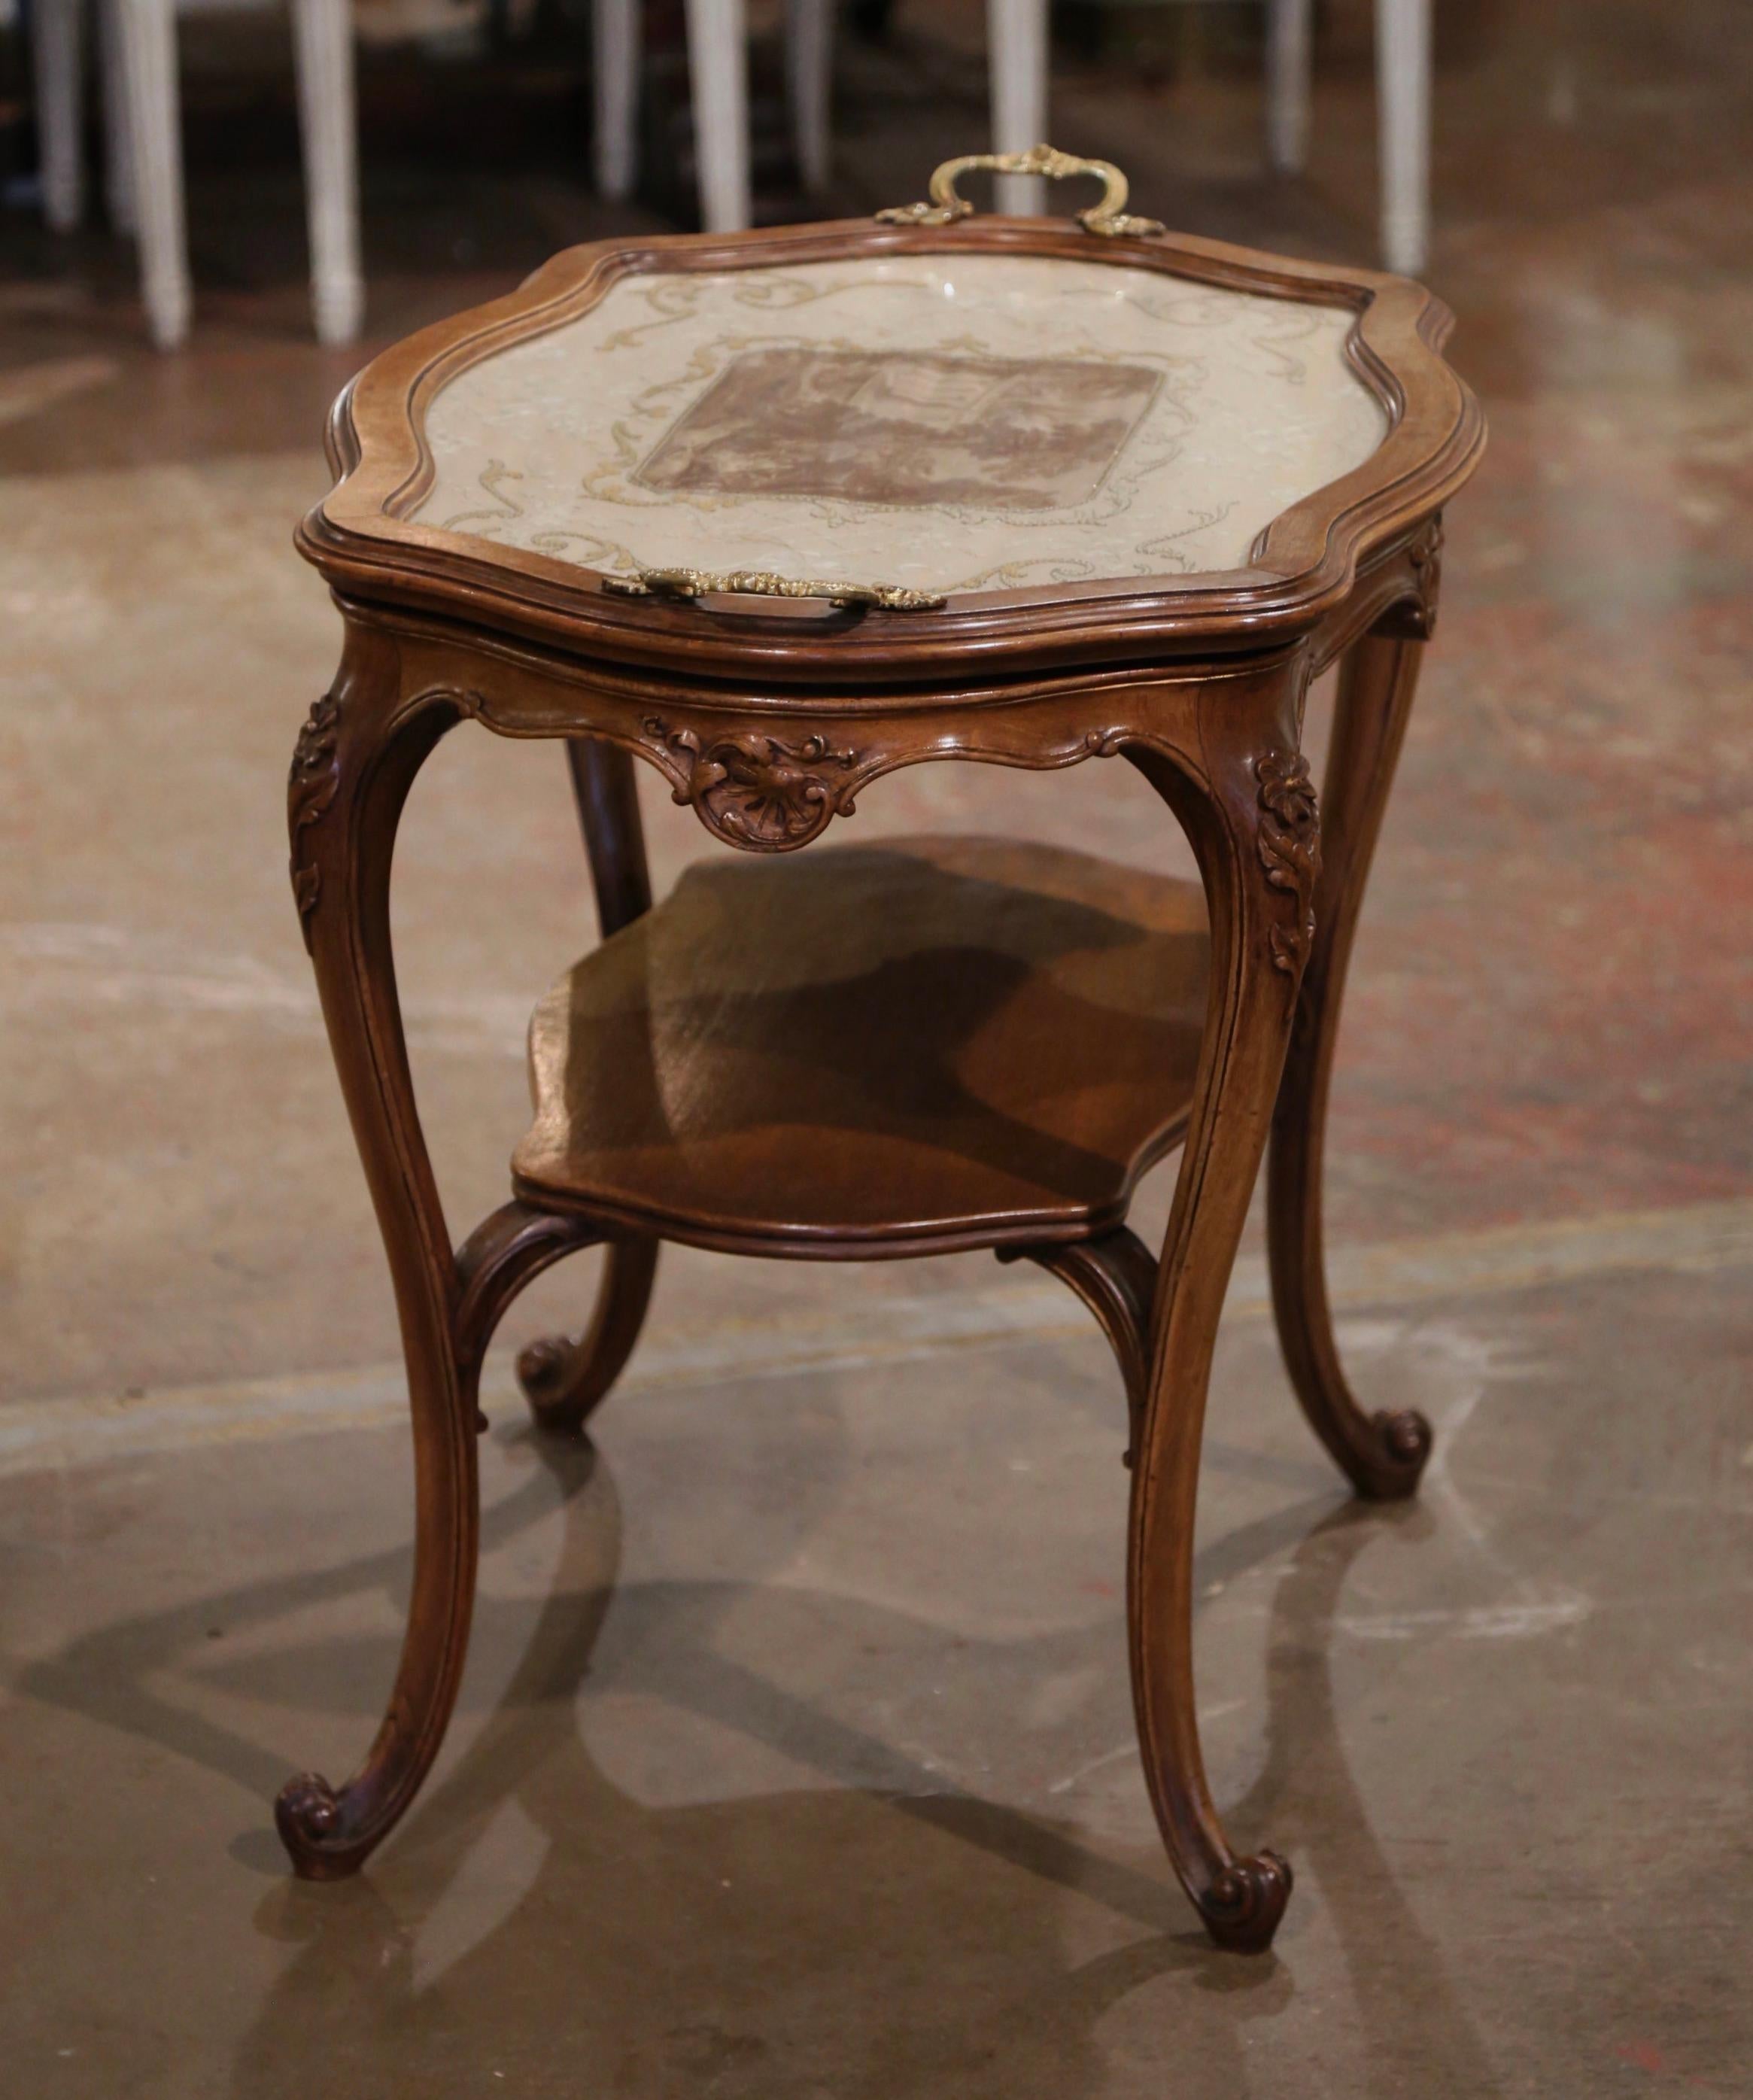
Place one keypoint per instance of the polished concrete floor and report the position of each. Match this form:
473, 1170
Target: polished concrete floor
795, 1759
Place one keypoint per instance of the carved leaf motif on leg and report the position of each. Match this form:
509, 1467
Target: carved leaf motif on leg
1425, 555
1413, 618
1290, 850
312, 786
357, 756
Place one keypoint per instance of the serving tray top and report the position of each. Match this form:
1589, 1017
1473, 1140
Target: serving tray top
1044, 445
947, 423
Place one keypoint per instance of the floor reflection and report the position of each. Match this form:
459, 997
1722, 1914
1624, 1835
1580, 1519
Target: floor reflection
1306, 1797
881, 1934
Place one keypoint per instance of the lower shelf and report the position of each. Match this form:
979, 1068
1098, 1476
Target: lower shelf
855, 1052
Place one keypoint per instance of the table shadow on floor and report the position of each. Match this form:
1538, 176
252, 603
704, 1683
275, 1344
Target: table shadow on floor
883, 1933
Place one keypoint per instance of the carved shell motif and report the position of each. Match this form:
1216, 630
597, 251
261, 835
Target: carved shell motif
310, 786
1290, 850
760, 792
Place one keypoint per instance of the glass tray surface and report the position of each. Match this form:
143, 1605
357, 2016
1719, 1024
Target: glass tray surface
949, 422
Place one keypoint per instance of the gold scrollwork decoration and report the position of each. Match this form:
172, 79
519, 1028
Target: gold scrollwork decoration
1110, 219
763, 582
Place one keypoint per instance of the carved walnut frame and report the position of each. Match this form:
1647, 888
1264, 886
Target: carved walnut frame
772, 724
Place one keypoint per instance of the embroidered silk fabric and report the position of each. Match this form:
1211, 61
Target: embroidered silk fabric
948, 422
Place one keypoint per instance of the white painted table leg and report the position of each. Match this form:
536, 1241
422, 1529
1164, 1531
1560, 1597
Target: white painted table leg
149, 72
718, 69
56, 38
1016, 57
614, 28
322, 51
118, 139
1403, 97
809, 73
1289, 63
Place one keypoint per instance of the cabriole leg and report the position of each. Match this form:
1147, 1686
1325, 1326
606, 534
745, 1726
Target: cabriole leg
604, 788
564, 1380
1382, 1454
1115, 1275
1252, 824
357, 756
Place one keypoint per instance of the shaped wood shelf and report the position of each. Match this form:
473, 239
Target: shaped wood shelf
897, 1049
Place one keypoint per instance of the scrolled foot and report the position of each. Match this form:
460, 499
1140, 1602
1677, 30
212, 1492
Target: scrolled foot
307, 1815
1403, 1440
1243, 1906
548, 1371
566, 1381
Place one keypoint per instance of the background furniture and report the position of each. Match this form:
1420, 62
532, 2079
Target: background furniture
581, 519
1018, 43
718, 72
1402, 101
137, 40
143, 160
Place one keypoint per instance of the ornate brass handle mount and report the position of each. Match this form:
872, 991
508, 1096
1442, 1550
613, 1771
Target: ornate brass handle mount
1109, 218
763, 582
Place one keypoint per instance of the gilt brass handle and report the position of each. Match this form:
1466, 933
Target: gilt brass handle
763, 582
1108, 218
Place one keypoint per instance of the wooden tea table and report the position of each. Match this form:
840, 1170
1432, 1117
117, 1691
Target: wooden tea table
776, 514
